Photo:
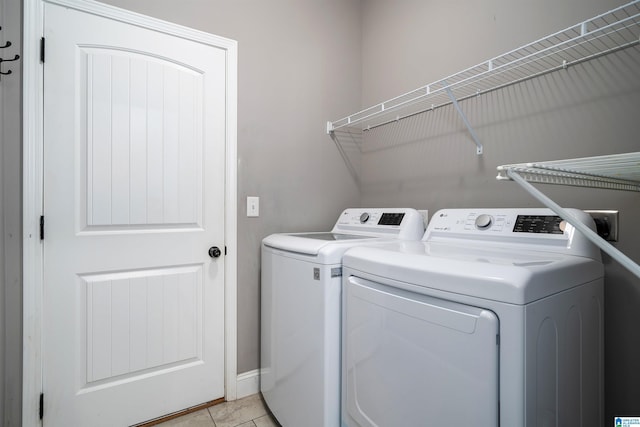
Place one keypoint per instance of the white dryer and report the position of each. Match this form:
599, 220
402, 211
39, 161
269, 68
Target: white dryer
300, 311
494, 319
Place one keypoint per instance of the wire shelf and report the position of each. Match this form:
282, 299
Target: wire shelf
611, 31
598, 164
616, 172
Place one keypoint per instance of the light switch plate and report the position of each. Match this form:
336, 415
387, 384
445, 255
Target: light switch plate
253, 206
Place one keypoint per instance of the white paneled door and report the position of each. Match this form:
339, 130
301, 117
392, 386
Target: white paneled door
134, 182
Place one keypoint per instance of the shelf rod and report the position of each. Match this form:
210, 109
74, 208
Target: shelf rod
626, 262
463, 116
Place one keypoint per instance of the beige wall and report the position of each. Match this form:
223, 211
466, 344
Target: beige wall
299, 66
430, 161
303, 62
10, 220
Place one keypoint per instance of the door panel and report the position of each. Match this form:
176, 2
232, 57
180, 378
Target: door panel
125, 314
418, 359
134, 140
144, 139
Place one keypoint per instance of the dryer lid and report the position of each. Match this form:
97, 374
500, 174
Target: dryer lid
483, 272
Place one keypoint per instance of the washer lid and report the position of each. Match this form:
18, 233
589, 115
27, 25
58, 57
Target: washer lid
330, 237
491, 273
315, 244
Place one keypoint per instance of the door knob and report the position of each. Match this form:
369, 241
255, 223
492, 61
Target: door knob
214, 252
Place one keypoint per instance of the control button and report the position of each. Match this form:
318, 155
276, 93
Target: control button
483, 221
364, 218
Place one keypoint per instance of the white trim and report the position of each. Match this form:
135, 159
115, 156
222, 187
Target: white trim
248, 383
231, 228
33, 188
32, 209
143, 21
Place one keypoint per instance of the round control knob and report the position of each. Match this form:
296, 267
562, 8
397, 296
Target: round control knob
364, 218
483, 221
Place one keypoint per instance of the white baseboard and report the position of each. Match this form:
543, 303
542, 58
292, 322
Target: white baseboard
248, 383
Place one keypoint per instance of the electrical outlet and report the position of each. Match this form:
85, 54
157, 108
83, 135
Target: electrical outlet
253, 206
606, 223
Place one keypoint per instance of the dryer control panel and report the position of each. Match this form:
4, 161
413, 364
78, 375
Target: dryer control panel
548, 224
538, 228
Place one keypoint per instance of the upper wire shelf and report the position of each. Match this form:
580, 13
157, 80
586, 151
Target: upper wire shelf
616, 172
611, 31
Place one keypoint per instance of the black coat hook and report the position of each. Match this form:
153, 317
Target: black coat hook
7, 44
6, 73
15, 58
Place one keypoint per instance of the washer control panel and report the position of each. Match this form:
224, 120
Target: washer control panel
398, 222
371, 217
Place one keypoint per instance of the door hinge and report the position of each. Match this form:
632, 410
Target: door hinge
41, 405
42, 50
41, 227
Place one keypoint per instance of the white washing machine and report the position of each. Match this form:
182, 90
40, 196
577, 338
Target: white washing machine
494, 319
300, 316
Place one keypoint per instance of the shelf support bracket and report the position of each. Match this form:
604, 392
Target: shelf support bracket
463, 116
350, 166
626, 262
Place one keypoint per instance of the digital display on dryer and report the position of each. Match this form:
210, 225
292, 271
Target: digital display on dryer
391, 219
547, 224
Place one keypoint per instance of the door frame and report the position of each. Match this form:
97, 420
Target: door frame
33, 162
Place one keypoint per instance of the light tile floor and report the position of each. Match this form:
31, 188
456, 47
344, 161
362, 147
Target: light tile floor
246, 412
